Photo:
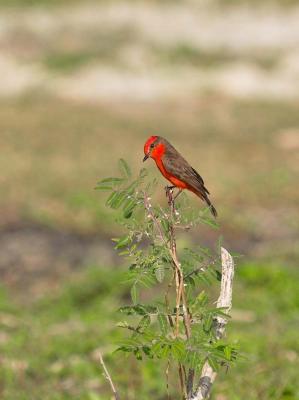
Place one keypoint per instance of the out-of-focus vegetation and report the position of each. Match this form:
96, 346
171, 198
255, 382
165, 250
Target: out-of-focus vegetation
56, 151
48, 350
224, 3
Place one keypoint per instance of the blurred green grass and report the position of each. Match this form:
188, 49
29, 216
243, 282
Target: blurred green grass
48, 348
185, 54
68, 54
54, 152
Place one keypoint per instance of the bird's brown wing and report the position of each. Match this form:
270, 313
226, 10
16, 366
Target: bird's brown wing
177, 166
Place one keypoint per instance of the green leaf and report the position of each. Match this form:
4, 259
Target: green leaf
147, 281
111, 198
138, 354
178, 350
132, 187
202, 276
129, 207
122, 324
147, 351
126, 349
193, 359
213, 363
228, 352
138, 309
134, 294
144, 323
208, 323
117, 199
122, 198
165, 351
163, 323
156, 349
190, 281
160, 273
122, 242
124, 168
108, 183
202, 299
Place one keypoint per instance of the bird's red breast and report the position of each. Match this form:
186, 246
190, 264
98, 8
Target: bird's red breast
157, 155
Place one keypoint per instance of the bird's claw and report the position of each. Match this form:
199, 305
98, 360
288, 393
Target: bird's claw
169, 194
168, 189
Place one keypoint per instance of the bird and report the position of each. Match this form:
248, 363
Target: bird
176, 169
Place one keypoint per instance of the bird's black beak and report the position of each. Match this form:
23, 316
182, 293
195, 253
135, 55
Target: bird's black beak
145, 157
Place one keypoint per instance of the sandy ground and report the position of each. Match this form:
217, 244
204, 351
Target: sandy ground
244, 31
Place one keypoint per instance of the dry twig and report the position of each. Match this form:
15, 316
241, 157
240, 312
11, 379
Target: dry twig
108, 377
208, 375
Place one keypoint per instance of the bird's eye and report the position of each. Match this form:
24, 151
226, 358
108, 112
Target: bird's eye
152, 146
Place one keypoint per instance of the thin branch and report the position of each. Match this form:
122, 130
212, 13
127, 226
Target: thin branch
208, 375
169, 316
182, 381
179, 273
151, 214
171, 247
167, 379
180, 289
108, 377
202, 268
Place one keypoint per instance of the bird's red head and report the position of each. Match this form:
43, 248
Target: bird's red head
149, 146
154, 147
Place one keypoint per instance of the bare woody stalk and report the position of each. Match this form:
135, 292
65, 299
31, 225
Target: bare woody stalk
180, 289
186, 382
208, 375
108, 377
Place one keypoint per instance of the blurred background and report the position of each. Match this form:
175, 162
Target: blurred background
85, 83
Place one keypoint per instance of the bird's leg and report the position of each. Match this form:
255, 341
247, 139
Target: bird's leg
173, 201
178, 193
168, 189
168, 192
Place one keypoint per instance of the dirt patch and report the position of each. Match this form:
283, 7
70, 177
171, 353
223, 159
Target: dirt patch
35, 259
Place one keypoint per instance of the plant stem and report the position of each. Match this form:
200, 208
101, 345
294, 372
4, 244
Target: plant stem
108, 377
180, 290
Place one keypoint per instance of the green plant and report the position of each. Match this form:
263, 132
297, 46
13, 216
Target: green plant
179, 326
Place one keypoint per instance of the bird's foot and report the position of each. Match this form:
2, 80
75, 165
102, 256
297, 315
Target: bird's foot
169, 193
169, 188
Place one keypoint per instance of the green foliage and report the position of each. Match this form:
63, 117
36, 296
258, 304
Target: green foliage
56, 337
158, 330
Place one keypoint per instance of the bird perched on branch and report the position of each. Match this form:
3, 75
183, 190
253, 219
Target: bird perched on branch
176, 169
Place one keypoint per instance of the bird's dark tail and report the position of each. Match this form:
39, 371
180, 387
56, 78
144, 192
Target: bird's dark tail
211, 207
203, 195
213, 210
205, 198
